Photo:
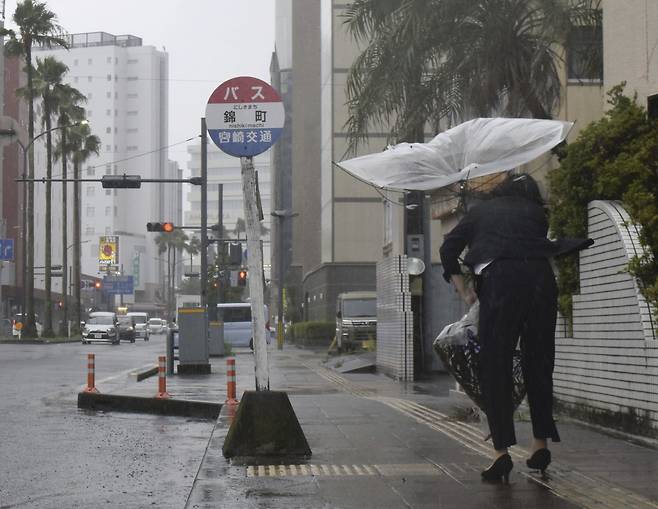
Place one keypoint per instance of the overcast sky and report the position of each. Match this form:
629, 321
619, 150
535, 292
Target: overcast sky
208, 41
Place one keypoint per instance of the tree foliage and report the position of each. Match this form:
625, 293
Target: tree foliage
615, 158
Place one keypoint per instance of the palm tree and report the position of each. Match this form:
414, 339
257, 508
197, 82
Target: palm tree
433, 60
82, 145
172, 243
36, 25
69, 113
49, 74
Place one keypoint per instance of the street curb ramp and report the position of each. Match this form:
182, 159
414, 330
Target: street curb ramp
136, 404
265, 425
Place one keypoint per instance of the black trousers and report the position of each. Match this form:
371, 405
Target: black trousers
518, 300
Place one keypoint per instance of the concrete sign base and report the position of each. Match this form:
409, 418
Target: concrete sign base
265, 425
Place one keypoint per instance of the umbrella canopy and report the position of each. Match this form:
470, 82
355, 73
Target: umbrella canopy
473, 149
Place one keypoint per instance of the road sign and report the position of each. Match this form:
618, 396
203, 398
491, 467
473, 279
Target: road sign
6, 250
117, 285
244, 116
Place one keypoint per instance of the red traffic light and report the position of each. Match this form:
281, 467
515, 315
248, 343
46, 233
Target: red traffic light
98, 285
160, 227
242, 278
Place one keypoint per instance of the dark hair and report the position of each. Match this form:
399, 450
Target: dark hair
520, 185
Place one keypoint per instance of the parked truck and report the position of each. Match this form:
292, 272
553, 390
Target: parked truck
356, 319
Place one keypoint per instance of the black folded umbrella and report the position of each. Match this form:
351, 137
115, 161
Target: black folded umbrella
463, 362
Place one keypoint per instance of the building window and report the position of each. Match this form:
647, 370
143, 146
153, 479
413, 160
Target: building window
133, 60
90, 190
585, 54
116, 95
90, 61
108, 230
75, 62
116, 211
75, 79
131, 78
89, 230
108, 95
90, 79
108, 169
89, 95
108, 210
94, 247
109, 60
131, 113
108, 192
131, 148
108, 130
133, 96
132, 130
90, 211
108, 113
109, 77
91, 171
108, 148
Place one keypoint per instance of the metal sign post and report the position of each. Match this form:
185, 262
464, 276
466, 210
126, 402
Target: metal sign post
245, 117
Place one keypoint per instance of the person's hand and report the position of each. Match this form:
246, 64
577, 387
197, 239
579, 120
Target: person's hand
467, 293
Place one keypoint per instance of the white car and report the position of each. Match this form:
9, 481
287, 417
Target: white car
156, 326
102, 328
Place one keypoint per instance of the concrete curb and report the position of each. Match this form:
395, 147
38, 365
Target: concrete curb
144, 373
136, 404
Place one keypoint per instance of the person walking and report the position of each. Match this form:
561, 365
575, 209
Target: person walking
509, 252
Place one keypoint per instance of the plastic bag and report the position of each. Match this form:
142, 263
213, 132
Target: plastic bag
458, 347
461, 332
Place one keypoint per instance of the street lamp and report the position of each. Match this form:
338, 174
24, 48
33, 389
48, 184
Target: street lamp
26, 148
281, 215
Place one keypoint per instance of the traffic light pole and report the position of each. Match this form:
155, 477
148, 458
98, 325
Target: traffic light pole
204, 215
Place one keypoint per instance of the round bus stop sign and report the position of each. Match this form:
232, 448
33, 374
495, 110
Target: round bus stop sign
244, 116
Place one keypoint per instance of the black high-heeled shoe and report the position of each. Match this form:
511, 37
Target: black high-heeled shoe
540, 459
499, 470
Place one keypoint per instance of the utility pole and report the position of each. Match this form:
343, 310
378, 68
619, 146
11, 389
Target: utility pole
204, 215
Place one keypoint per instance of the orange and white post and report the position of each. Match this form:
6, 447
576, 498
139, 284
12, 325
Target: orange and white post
230, 382
91, 373
162, 377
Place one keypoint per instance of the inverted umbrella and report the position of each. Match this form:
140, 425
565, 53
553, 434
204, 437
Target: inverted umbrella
473, 149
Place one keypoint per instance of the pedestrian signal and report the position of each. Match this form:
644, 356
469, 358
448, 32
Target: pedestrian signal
160, 227
242, 278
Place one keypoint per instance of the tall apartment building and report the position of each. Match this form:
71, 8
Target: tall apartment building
126, 85
224, 169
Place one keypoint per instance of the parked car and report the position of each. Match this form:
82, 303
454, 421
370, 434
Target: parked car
101, 327
126, 326
237, 323
156, 326
141, 321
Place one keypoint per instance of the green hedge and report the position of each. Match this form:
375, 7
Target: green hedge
311, 333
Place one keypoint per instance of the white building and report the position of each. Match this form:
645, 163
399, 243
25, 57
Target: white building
126, 85
225, 169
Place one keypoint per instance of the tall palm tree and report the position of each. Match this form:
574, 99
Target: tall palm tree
36, 25
428, 60
49, 74
69, 113
83, 145
172, 243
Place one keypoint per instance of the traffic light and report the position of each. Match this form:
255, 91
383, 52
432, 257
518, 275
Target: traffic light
121, 181
98, 285
160, 227
242, 278
235, 253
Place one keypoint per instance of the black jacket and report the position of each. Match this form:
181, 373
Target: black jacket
504, 227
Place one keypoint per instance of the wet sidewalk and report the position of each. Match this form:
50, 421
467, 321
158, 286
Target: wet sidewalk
381, 444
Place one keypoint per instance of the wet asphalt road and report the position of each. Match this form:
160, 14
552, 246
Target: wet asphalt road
53, 455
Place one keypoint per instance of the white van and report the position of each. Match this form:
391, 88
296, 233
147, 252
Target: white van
237, 323
141, 322
101, 327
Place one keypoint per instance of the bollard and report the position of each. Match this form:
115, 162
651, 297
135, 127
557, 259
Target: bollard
162, 377
91, 373
230, 382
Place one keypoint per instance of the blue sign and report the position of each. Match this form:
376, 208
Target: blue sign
117, 285
6, 250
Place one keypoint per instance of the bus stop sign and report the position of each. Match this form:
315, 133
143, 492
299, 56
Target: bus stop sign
245, 116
